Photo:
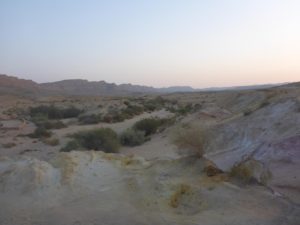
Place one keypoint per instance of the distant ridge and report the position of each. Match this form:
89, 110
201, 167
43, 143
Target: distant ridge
81, 87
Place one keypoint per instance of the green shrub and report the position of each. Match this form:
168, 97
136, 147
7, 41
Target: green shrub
152, 125
9, 145
90, 119
132, 137
264, 104
183, 109
46, 111
107, 118
52, 124
40, 132
53, 112
248, 112
126, 102
115, 116
149, 126
131, 111
71, 145
71, 112
104, 139
154, 104
51, 141
150, 107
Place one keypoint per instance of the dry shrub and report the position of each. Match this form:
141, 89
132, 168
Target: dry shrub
191, 138
242, 172
9, 145
211, 169
182, 190
51, 141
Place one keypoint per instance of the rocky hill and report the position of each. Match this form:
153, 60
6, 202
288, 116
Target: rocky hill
81, 87
16, 86
78, 87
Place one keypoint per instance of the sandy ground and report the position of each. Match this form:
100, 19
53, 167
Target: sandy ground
96, 188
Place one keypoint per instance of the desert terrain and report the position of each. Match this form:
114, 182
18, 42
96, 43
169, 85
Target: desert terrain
206, 157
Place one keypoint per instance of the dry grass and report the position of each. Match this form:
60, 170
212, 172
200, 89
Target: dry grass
182, 190
51, 141
242, 172
191, 138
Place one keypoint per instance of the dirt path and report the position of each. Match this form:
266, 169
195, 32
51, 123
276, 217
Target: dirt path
118, 127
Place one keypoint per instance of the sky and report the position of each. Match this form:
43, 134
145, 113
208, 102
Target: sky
200, 43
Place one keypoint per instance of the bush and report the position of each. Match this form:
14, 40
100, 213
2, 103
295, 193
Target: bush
51, 141
242, 172
154, 104
41, 132
151, 125
183, 109
104, 139
71, 112
53, 112
264, 104
192, 138
90, 119
51, 124
71, 145
9, 145
132, 137
131, 111
247, 112
115, 116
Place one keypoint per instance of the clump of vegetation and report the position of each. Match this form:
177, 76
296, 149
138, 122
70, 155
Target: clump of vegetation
71, 112
90, 119
51, 141
183, 109
9, 145
132, 137
242, 172
53, 112
264, 104
182, 190
260, 106
104, 139
191, 138
248, 112
41, 132
154, 104
211, 170
132, 110
114, 115
151, 125
51, 124
41, 120
71, 145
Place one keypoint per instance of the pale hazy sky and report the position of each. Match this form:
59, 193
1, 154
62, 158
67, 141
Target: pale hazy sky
152, 42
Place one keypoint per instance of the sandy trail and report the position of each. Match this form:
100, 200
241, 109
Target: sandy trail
118, 127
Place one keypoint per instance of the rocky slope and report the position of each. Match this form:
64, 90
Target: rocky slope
97, 188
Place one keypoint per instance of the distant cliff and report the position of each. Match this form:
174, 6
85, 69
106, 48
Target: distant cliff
80, 87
